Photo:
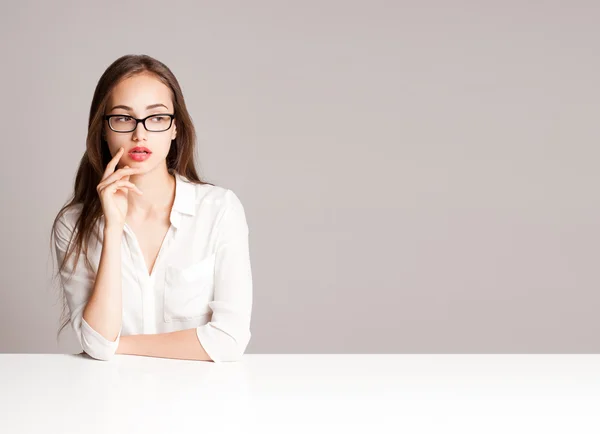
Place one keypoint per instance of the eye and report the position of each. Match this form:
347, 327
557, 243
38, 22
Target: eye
159, 118
122, 118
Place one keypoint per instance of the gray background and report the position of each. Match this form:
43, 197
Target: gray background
418, 176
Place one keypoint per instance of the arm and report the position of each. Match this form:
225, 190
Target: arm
100, 337
182, 344
227, 335
104, 308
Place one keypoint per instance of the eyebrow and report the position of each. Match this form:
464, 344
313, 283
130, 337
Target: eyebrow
151, 106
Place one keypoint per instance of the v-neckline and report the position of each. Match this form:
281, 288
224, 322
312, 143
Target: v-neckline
148, 274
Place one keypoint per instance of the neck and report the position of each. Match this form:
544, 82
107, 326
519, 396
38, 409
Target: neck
159, 194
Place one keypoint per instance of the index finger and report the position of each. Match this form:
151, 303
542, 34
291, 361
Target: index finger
110, 167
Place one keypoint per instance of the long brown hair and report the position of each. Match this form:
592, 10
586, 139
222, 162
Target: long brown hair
180, 158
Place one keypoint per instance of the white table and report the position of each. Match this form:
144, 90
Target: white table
278, 393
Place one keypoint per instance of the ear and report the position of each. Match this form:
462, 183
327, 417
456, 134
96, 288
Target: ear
174, 132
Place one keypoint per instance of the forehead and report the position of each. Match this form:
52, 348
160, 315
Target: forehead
140, 91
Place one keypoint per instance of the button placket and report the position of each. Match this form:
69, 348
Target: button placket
144, 281
147, 281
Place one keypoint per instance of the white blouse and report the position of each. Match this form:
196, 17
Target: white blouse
202, 276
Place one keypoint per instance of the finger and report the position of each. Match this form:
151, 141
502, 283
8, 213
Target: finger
126, 177
121, 183
124, 188
118, 175
110, 167
127, 188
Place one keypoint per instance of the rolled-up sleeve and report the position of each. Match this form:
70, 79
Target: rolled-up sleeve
78, 287
227, 335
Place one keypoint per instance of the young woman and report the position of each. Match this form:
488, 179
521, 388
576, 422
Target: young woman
152, 260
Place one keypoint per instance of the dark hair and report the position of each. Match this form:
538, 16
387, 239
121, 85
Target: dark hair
180, 158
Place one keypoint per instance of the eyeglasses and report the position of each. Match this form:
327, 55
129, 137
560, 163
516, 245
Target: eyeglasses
127, 124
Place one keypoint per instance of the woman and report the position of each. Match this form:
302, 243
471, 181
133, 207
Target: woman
152, 260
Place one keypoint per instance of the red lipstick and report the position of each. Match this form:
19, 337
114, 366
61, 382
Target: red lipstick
139, 153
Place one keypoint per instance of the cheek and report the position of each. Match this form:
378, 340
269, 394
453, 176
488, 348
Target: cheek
115, 141
161, 147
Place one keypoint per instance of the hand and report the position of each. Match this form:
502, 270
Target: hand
113, 190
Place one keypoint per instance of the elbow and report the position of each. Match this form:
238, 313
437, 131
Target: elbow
222, 346
99, 354
99, 351
231, 352
231, 349
95, 345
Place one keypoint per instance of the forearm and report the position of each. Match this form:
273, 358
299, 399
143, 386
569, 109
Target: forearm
103, 311
182, 344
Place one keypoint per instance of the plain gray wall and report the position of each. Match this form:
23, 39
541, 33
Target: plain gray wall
418, 176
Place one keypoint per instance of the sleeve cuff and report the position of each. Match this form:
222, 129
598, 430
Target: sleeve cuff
96, 345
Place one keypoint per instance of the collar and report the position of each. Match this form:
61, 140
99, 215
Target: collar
185, 199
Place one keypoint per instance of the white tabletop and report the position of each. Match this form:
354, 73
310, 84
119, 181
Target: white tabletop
41, 393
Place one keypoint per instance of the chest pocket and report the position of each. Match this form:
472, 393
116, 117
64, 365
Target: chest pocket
188, 290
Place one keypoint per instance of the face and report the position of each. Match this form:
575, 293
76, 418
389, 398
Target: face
138, 97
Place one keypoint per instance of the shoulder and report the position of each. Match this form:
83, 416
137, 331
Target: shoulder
213, 196
219, 204
65, 225
67, 219
224, 199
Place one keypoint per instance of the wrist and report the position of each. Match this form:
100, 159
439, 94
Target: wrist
113, 230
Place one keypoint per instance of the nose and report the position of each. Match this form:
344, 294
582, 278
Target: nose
140, 132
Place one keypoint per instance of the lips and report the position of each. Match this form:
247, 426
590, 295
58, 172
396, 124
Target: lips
140, 150
139, 153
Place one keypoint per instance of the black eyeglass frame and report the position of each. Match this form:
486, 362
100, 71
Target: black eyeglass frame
137, 121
